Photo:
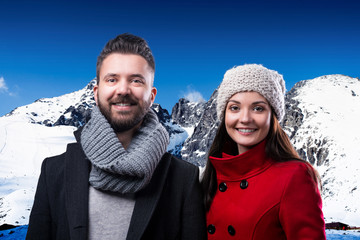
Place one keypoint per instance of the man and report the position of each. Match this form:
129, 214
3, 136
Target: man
117, 181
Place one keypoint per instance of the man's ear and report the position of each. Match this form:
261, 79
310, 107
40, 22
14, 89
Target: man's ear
95, 90
153, 94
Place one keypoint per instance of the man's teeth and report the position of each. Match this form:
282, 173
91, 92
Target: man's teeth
122, 104
246, 130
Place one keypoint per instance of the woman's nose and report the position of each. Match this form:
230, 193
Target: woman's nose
245, 116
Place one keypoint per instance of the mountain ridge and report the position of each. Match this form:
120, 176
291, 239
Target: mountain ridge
320, 120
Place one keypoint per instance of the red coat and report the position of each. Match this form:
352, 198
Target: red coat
258, 198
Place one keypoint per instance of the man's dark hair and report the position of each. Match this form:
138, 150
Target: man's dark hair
127, 44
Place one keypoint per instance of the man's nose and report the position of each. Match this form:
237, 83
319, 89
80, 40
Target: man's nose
122, 88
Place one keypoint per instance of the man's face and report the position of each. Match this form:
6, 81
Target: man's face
124, 93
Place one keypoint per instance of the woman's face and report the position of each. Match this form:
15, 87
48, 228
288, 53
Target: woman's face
247, 119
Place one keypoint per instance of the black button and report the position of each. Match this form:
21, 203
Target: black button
222, 187
231, 230
244, 184
211, 229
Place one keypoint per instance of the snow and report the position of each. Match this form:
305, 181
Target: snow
200, 153
201, 172
23, 146
177, 138
331, 108
189, 130
52, 108
32, 142
15, 207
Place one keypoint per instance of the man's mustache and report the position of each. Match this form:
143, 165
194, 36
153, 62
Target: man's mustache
124, 99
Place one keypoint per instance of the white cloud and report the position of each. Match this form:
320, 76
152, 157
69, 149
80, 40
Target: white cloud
3, 87
193, 95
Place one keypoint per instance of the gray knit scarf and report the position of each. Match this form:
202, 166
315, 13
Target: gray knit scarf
114, 168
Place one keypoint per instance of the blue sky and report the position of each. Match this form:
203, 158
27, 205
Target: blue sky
49, 48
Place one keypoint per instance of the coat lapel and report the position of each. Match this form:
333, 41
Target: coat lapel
147, 199
77, 191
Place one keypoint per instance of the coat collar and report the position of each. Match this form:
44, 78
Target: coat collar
77, 168
245, 165
77, 191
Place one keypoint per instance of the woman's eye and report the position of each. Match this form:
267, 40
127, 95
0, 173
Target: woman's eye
234, 108
258, 109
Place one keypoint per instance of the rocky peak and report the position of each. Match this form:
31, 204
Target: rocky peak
196, 147
186, 113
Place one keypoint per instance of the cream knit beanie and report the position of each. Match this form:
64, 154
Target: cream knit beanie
252, 77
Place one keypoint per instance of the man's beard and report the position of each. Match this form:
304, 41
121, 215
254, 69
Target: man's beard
124, 122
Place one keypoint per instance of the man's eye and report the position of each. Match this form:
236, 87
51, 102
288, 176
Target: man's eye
112, 80
137, 80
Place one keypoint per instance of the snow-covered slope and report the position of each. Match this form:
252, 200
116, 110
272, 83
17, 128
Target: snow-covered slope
51, 111
25, 140
327, 135
23, 146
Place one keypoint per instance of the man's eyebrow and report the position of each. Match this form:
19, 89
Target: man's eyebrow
111, 75
117, 75
137, 75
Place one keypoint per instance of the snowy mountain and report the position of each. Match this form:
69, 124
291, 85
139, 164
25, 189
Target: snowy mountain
186, 113
23, 146
195, 148
321, 115
69, 109
323, 121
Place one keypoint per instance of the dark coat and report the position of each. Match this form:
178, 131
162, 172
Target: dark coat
169, 207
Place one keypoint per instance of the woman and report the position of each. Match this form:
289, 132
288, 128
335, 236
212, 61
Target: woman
256, 186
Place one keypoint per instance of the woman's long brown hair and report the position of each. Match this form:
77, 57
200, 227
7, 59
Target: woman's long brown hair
278, 147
